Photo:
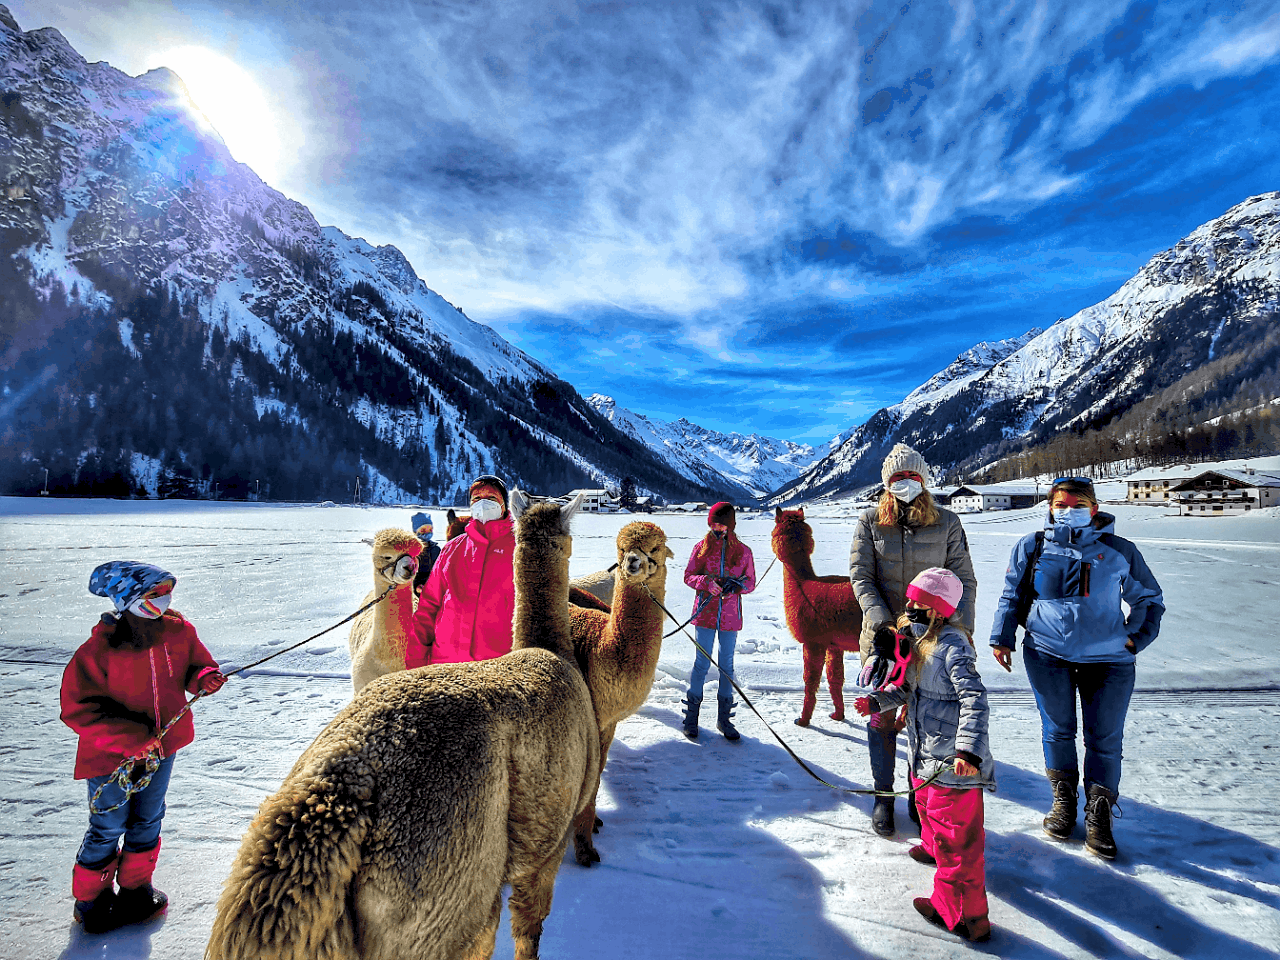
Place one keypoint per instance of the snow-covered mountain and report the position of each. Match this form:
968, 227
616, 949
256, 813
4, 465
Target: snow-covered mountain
1214, 294
753, 465
121, 210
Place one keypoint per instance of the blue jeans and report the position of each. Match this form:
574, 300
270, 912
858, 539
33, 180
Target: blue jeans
1104, 690
138, 820
698, 675
882, 743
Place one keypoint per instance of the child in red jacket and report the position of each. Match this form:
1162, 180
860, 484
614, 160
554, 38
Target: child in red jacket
123, 685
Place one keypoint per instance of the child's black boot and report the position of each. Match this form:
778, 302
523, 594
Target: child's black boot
138, 900
95, 896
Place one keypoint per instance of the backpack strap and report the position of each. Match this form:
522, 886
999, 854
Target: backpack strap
1027, 585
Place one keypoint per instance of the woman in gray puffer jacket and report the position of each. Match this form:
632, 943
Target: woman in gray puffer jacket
904, 534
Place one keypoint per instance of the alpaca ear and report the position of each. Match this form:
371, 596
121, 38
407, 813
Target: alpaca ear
518, 503
668, 553
450, 516
802, 513
777, 514
569, 511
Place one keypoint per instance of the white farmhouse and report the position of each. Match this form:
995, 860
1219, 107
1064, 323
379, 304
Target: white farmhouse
595, 501
1221, 492
973, 498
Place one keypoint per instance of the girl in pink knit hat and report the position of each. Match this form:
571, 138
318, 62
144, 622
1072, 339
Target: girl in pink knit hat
935, 673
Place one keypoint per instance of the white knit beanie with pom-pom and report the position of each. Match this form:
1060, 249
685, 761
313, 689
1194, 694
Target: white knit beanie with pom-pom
902, 457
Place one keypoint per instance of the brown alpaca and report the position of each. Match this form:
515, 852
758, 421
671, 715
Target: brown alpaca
454, 524
397, 829
619, 650
822, 612
379, 635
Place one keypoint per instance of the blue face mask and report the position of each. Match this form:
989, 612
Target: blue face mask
1076, 517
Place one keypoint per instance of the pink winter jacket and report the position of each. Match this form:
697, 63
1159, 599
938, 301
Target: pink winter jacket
709, 562
468, 603
118, 698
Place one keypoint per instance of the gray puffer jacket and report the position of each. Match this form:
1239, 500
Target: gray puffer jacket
946, 711
884, 560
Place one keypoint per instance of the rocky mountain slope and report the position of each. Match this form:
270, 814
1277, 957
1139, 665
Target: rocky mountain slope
1214, 294
122, 211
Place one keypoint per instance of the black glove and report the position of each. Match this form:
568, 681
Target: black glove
730, 585
885, 641
876, 670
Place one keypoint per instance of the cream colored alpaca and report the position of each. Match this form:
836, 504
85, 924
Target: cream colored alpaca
379, 635
599, 584
619, 650
397, 829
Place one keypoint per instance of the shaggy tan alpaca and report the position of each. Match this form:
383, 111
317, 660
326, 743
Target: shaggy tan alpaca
619, 650
379, 635
599, 584
395, 832
822, 612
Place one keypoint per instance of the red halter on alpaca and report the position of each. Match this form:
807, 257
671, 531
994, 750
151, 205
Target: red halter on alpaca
822, 612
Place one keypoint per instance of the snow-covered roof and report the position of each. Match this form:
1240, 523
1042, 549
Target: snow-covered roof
1000, 490
1254, 479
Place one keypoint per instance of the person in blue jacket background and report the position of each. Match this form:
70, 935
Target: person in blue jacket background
1079, 643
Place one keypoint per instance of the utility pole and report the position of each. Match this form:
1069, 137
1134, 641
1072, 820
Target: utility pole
357, 496
45, 491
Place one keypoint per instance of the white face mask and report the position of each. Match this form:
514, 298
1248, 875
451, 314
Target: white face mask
906, 490
486, 510
152, 609
1077, 517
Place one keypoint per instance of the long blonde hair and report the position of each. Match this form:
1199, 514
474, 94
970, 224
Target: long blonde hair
921, 512
923, 647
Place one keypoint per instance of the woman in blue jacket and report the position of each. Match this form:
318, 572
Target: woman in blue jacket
1065, 585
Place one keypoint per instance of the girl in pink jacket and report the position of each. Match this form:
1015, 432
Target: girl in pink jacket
468, 603
720, 569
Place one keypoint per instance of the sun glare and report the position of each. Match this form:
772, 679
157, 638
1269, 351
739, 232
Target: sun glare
232, 102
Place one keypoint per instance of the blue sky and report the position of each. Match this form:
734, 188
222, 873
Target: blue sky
766, 217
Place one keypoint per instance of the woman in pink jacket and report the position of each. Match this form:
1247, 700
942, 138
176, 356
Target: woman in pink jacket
721, 569
468, 603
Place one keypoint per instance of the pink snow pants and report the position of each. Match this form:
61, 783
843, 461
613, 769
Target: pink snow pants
951, 830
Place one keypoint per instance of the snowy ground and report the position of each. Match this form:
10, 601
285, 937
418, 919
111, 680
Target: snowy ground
710, 849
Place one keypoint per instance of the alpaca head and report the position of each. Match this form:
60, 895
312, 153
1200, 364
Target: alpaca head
642, 552
454, 524
395, 555
792, 537
542, 532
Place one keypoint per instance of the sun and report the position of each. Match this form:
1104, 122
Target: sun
231, 101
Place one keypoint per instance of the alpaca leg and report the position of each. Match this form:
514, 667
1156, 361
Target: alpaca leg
529, 903
814, 654
482, 946
586, 823
835, 681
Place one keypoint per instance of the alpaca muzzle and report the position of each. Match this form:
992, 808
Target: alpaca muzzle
402, 569
637, 563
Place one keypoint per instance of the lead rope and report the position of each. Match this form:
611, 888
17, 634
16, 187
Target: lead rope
123, 775
947, 764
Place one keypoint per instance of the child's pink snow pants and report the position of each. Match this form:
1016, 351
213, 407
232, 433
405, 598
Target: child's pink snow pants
951, 830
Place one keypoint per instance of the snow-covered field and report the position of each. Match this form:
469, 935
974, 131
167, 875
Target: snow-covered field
711, 849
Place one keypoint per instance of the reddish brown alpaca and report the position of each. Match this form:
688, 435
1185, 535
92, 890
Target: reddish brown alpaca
822, 612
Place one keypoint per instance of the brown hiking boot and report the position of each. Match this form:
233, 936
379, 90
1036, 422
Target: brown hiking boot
1097, 821
1060, 822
